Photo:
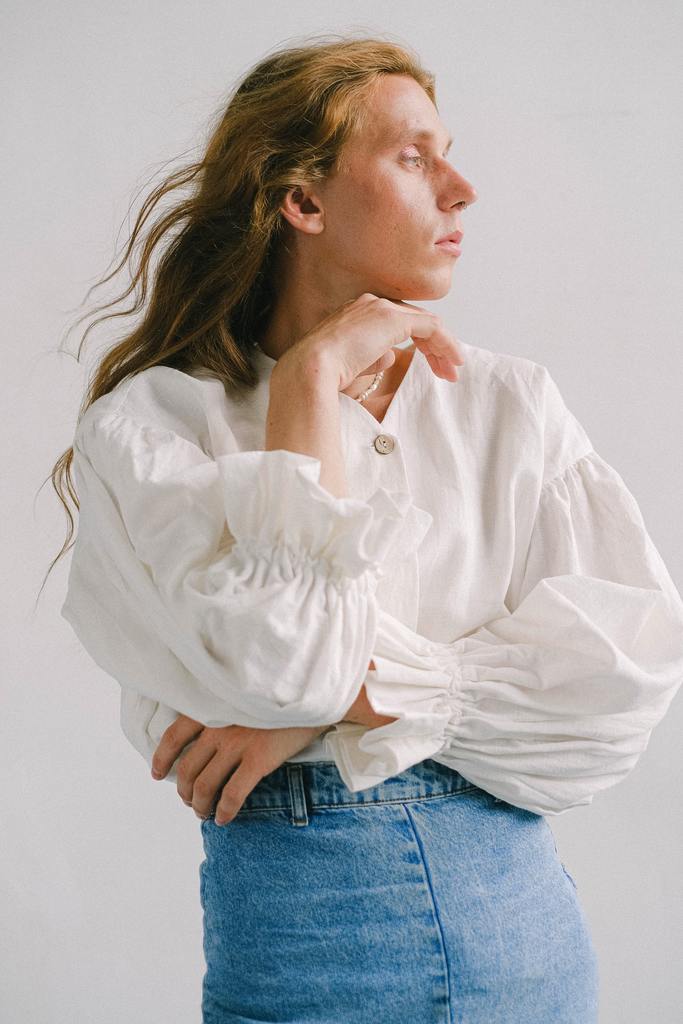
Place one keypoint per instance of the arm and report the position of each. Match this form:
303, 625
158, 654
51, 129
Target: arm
362, 712
556, 701
303, 413
311, 426
247, 589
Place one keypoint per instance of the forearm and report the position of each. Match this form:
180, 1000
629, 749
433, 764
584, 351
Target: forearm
303, 414
361, 712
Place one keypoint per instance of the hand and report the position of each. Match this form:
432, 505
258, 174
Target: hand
358, 337
362, 712
224, 764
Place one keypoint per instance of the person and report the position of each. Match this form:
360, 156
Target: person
387, 594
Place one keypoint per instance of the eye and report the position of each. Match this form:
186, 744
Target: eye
409, 157
420, 159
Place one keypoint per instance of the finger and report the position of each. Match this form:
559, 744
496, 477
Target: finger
431, 337
211, 781
429, 327
236, 791
442, 367
178, 734
446, 368
192, 762
457, 355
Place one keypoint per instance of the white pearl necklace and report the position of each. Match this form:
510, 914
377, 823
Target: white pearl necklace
375, 384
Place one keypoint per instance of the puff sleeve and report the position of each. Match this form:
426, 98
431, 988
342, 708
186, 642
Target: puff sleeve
257, 582
550, 704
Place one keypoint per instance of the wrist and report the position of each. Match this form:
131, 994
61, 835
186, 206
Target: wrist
362, 712
312, 366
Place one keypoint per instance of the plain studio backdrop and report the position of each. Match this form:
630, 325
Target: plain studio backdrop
566, 118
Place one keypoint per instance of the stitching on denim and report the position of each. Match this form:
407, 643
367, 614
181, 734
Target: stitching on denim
297, 795
369, 803
397, 800
436, 912
570, 877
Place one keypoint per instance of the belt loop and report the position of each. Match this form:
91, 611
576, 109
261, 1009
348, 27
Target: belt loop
297, 794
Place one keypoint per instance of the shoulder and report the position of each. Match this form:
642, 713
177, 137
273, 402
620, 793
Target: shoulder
523, 378
159, 402
487, 368
498, 386
515, 389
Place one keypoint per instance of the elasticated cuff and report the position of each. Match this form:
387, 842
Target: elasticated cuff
274, 498
415, 681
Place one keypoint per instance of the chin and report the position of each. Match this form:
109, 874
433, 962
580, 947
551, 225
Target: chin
422, 285
425, 289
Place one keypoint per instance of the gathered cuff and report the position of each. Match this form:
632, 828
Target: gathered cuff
417, 682
274, 499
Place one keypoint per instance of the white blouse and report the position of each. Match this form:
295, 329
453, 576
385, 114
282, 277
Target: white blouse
524, 628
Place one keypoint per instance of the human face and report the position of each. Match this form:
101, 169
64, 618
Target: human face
396, 195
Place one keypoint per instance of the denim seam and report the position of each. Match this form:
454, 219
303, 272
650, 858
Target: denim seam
435, 911
569, 876
357, 804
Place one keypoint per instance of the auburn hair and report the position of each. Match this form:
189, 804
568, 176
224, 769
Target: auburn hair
209, 295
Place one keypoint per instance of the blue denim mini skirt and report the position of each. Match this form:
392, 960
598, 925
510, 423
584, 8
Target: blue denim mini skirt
424, 900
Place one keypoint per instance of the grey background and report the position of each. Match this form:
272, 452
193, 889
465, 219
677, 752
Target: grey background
566, 117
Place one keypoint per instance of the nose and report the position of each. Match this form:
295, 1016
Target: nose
462, 190
470, 193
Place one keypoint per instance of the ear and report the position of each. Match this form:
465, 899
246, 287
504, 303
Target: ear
302, 207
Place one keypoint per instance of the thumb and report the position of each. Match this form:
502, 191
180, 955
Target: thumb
383, 363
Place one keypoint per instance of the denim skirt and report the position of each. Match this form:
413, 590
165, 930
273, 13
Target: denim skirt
423, 900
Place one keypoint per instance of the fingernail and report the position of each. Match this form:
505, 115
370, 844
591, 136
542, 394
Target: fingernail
157, 774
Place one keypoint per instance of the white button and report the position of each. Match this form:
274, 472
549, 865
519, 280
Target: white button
384, 444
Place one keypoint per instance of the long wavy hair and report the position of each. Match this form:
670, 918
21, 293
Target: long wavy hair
210, 293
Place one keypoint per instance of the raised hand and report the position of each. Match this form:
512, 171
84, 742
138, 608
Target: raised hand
358, 337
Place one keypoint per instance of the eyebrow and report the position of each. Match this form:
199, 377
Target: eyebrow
416, 130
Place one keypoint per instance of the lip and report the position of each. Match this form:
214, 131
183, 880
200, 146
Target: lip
449, 247
455, 236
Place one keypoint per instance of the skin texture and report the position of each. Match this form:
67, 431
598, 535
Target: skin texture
371, 227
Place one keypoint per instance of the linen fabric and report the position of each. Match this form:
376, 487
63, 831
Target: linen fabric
525, 630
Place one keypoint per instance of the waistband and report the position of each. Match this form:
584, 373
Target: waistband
305, 786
